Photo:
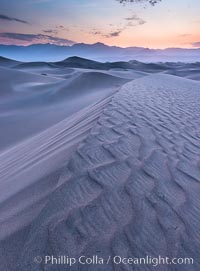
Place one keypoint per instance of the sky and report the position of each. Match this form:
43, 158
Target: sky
163, 24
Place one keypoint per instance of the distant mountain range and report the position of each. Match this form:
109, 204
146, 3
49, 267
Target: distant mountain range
98, 52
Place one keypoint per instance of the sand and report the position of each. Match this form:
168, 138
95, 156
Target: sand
31, 102
119, 175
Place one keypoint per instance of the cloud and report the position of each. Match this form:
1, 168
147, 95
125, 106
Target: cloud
36, 38
134, 20
151, 2
50, 31
196, 44
4, 17
56, 30
111, 34
96, 32
131, 21
62, 27
114, 34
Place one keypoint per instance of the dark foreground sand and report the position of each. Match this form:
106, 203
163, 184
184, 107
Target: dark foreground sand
120, 176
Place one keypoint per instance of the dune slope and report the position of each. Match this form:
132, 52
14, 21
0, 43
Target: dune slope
23, 167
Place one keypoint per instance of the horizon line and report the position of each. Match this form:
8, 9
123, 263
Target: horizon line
79, 43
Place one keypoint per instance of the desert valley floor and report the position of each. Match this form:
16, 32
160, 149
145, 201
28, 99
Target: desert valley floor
99, 159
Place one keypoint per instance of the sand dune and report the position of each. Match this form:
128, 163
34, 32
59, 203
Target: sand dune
129, 70
78, 62
135, 68
31, 65
95, 80
190, 71
19, 77
31, 102
130, 188
99, 159
23, 166
9, 63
